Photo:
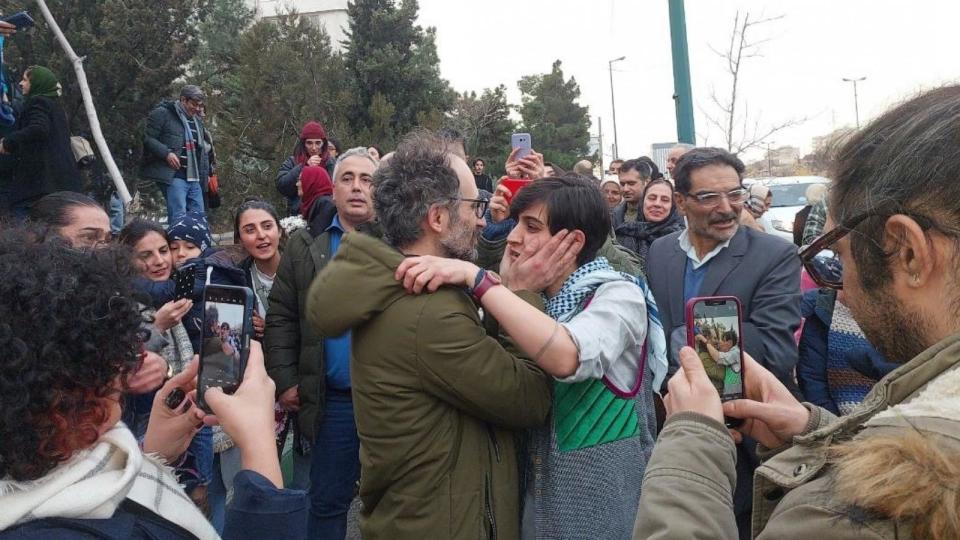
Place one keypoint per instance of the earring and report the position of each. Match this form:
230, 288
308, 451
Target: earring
916, 278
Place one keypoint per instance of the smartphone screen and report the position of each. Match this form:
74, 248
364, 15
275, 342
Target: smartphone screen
713, 330
227, 313
521, 141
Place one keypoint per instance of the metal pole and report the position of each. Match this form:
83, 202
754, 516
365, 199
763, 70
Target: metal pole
682, 92
600, 141
856, 98
613, 106
769, 168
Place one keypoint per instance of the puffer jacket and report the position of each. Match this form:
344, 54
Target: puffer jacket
437, 401
887, 470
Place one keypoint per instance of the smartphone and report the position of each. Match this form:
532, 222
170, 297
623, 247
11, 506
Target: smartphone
20, 20
714, 331
227, 327
184, 280
514, 185
521, 141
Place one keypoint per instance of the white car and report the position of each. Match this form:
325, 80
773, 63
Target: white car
789, 197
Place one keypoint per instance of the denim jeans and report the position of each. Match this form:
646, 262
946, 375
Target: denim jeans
335, 468
226, 465
183, 196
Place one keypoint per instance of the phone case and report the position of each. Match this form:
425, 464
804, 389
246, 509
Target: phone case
521, 141
514, 185
247, 332
20, 20
184, 281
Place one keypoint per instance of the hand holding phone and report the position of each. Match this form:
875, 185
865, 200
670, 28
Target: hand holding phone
522, 143
227, 328
714, 332
514, 185
20, 20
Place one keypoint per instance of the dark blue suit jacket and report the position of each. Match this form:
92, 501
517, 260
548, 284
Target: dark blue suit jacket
760, 269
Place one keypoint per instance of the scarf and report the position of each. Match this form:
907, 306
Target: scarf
638, 235
847, 386
43, 82
189, 144
582, 284
93, 483
315, 183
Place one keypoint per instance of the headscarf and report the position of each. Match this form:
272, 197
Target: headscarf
673, 216
191, 227
311, 130
315, 183
43, 82
757, 203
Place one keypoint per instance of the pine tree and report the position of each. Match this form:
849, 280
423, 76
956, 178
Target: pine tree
558, 126
395, 69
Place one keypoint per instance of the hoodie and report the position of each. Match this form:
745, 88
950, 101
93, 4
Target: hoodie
437, 400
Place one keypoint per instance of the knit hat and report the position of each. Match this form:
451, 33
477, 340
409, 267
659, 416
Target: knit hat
43, 82
191, 227
315, 183
193, 92
313, 130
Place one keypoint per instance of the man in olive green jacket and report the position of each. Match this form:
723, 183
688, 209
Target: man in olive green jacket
437, 400
890, 468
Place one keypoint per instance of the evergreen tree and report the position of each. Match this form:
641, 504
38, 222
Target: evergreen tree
134, 50
558, 126
395, 70
288, 75
485, 122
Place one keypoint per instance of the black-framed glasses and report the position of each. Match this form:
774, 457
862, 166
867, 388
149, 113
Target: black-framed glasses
710, 199
824, 266
479, 205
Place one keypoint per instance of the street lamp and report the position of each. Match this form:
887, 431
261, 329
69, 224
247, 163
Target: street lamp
856, 104
613, 105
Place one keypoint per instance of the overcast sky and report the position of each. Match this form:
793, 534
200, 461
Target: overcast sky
899, 46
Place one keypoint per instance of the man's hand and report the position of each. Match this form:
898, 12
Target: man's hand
538, 266
691, 390
290, 399
771, 414
3, 149
499, 208
173, 161
171, 313
431, 273
315, 161
170, 431
530, 166
150, 376
7, 29
259, 326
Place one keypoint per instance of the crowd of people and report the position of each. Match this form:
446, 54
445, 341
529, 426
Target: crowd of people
471, 360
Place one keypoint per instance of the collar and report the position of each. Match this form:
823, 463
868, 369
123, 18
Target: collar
335, 225
691, 251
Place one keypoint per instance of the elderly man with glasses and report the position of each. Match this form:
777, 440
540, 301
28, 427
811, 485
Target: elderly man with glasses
715, 256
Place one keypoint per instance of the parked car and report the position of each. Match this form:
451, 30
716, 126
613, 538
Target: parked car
789, 197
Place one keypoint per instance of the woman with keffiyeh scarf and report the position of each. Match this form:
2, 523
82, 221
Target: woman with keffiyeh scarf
601, 340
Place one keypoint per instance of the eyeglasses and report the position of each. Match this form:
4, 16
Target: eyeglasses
710, 199
824, 266
479, 205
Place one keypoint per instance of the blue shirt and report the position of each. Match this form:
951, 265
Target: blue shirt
692, 281
336, 351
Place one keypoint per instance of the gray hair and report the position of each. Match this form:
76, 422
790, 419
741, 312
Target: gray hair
417, 176
907, 160
358, 151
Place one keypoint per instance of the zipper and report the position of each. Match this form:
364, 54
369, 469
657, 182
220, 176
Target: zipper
488, 507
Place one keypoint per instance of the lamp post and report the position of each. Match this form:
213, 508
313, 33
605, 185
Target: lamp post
613, 106
856, 99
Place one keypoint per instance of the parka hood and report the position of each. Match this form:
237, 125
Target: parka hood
355, 286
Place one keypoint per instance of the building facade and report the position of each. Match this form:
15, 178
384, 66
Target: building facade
331, 15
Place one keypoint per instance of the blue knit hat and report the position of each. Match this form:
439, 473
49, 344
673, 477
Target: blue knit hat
191, 227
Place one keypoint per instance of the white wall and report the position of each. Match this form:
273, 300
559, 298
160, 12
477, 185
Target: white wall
331, 14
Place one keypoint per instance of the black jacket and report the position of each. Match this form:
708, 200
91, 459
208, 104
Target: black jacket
41, 147
638, 235
164, 134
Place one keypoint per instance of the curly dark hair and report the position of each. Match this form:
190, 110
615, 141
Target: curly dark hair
68, 335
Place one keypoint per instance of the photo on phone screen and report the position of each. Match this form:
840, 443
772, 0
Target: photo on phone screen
716, 338
226, 338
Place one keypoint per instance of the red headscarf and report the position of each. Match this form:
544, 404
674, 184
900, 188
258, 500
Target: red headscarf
311, 130
315, 183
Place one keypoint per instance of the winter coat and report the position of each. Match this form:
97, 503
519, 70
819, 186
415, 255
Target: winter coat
40, 146
286, 183
293, 348
436, 400
638, 235
257, 510
888, 470
164, 134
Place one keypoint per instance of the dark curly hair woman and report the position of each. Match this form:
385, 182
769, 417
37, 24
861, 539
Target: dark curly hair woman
68, 467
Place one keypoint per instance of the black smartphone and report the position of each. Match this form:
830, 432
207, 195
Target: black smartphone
20, 20
184, 279
227, 327
715, 332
